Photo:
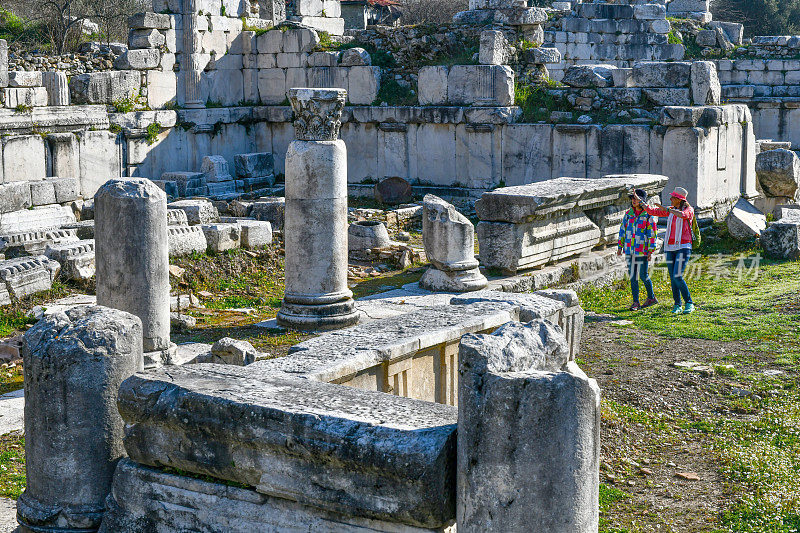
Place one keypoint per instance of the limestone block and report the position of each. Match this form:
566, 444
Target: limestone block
76, 259
778, 172
733, 30
14, 196
25, 276
366, 235
254, 165
23, 78
324, 59
75, 392
705, 86
482, 85
138, 59
449, 239
622, 77
3, 63
333, 26
23, 157
649, 11
229, 351
149, 20
781, 240
432, 85
319, 8
146, 39
104, 87
221, 237
177, 217
271, 86
520, 377
162, 88
493, 48
745, 222
605, 11
34, 242
197, 211
295, 77
588, 76
707, 38
299, 40
363, 85
270, 210
47, 217
255, 233
25, 97
287, 60
662, 74
355, 57
668, 97
185, 240
543, 54
270, 42
42, 192
215, 169
57, 87
340, 444
786, 211
688, 6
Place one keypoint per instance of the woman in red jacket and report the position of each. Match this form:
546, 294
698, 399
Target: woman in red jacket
677, 245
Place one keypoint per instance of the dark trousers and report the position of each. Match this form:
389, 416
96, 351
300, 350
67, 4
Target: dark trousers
638, 270
676, 264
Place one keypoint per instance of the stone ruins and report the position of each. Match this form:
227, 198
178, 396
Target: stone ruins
225, 123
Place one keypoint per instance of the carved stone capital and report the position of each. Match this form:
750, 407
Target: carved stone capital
317, 113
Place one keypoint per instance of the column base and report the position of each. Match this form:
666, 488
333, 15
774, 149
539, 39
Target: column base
160, 357
35, 517
457, 281
318, 317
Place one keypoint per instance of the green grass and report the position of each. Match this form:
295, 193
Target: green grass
608, 497
750, 309
392, 93
11, 379
12, 465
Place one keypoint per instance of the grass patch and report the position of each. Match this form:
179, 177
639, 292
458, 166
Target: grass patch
537, 103
11, 379
392, 93
12, 465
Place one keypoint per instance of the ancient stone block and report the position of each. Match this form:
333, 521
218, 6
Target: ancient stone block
254, 165
34, 242
299, 40
138, 59
588, 76
781, 240
74, 364
707, 38
22, 78
197, 211
221, 237
649, 11
3, 63
24, 97
270, 210
14, 196
778, 172
745, 221
449, 239
661, 74
25, 276
104, 87
176, 217
147, 39
667, 96
57, 87
520, 377
491, 85
493, 48
149, 20
355, 57
188, 183
185, 240
255, 233
42, 192
705, 86
227, 351
76, 259
215, 169
38, 218
432, 85
363, 85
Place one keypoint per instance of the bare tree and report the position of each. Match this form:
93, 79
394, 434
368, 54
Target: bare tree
432, 11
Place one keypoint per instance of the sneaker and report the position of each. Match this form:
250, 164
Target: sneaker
689, 309
649, 302
677, 310
634, 307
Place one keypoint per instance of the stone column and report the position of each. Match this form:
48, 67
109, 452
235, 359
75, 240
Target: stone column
3, 63
528, 434
315, 226
74, 364
132, 259
449, 239
191, 53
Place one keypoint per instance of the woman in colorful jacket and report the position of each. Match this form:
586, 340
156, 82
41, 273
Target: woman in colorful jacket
637, 240
677, 245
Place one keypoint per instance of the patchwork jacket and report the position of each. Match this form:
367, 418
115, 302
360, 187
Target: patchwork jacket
637, 234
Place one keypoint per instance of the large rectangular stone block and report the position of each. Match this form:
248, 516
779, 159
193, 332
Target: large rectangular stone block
23, 158
25, 276
185, 240
14, 196
363, 84
480, 85
35, 242
24, 97
254, 165
432, 85
104, 87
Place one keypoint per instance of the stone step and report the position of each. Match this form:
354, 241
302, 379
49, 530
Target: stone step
35, 242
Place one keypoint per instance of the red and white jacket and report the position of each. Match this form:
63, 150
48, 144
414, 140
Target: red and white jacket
679, 228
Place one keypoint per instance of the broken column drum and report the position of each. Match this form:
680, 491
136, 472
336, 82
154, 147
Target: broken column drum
315, 226
74, 364
132, 259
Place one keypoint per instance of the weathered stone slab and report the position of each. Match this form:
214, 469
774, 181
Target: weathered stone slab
25, 276
254, 165
14, 196
589, 76
188, 183
215, 169
270, 210
483, 85
104, 87
76, 259
177, 217
745, 221
34, 242
778, 172
3, 63
519, 380
781, 240
661, 73
255, 233
197, 211
184, 240
46, 217
221, 237
275, 433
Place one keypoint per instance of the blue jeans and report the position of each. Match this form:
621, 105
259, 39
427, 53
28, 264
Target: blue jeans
676, 264
637, 269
